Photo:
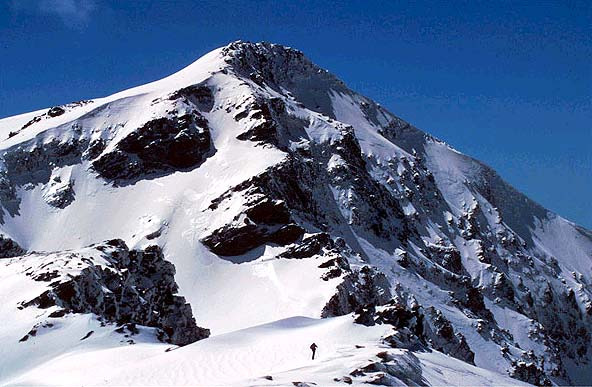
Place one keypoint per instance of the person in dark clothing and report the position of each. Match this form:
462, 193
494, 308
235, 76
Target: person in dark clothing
313, 348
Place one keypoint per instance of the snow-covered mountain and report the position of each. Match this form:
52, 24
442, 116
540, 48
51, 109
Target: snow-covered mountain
206, 228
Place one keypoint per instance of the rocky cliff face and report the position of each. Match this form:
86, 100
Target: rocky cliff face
254, 154
120, 286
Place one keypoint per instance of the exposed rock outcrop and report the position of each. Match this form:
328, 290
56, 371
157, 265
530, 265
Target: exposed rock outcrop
160, 146
417, 328
9, 248
264, 221
134, 287
391, 370
361, 288
529, 373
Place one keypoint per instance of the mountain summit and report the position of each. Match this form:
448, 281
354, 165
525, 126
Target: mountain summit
208, 227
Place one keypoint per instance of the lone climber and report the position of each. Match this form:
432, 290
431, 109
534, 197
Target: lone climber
313, 348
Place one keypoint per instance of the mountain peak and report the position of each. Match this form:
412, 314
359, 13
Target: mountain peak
252, 193
263, 47
275, 63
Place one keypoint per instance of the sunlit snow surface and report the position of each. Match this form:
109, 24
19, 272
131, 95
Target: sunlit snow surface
245, 357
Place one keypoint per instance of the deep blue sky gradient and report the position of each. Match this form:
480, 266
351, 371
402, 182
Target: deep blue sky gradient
506, 82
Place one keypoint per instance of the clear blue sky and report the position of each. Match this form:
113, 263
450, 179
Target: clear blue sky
507, 83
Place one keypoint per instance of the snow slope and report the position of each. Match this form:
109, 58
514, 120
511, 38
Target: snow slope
246, 357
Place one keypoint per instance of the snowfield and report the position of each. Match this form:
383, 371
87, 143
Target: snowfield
248, 357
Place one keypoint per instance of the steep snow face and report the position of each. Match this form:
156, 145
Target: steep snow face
260, 198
